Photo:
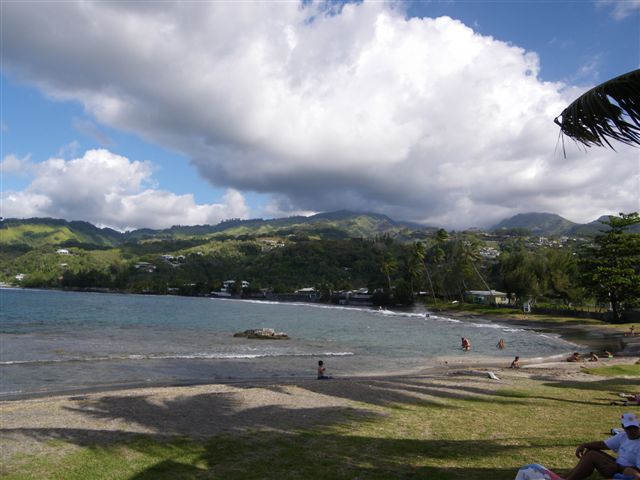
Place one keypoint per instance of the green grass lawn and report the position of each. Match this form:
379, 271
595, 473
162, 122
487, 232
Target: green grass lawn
616, 371
473, 430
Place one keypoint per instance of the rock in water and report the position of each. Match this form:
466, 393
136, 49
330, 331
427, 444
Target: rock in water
262, 333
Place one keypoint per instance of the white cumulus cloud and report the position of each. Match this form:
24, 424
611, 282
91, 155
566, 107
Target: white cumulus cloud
109, 189
12, 164
360, 107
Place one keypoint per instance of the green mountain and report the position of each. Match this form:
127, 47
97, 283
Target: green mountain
550, 224
340, 224
594, 228
343, 224
547, 224
36, 232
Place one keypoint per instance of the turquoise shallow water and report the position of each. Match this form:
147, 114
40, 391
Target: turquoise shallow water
56, 341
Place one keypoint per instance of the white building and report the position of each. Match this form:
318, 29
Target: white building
228, 285
487, 297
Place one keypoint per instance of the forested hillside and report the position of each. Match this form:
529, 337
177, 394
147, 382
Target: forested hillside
329, 252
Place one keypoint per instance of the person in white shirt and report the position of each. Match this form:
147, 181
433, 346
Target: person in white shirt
626, 444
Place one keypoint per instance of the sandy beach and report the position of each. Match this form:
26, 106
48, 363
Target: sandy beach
64, 422
100, 418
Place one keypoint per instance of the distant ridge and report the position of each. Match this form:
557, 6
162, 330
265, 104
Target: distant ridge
341, 224
550, 224
52, 231
537, 223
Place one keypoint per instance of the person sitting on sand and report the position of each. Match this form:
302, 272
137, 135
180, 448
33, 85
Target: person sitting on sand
321, 370
626, 444
575, 357
593, 357
500, 344
607, 353
515, 363
466, 344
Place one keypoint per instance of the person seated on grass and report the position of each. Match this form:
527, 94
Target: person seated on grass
626, 444
630, 473
615, 471
593, 357
575, 357
515, 363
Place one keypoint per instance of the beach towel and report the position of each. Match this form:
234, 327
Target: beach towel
534, 471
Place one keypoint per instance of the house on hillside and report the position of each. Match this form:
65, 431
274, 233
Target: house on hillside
145, 267
489, 252
306, 290
63, 251
230, 285
359, 297
487, 297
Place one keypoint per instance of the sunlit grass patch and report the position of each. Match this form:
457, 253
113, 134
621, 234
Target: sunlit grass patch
514, 393
476, 430
615, 371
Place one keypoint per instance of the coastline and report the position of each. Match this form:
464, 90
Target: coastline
587, 337
434, 367
77, 419
430, 366
368, 426
594, 337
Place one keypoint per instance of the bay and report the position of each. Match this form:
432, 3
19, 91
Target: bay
56, 341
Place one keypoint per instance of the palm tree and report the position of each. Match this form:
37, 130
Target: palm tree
433, 292
388, 267
610, 110
416, 260
471, 255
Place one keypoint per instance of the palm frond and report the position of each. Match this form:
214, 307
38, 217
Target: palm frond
610, 110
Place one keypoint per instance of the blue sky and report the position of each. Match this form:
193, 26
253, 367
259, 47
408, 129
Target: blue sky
193, 113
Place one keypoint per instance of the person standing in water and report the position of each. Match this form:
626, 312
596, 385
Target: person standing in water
466, 344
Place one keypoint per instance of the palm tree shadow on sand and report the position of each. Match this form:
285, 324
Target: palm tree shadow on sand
236, 438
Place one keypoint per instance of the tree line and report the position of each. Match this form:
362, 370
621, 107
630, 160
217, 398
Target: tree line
442, 267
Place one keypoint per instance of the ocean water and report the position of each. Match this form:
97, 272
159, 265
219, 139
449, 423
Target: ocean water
53, 341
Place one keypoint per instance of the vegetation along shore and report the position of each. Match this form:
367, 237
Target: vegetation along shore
552, 266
